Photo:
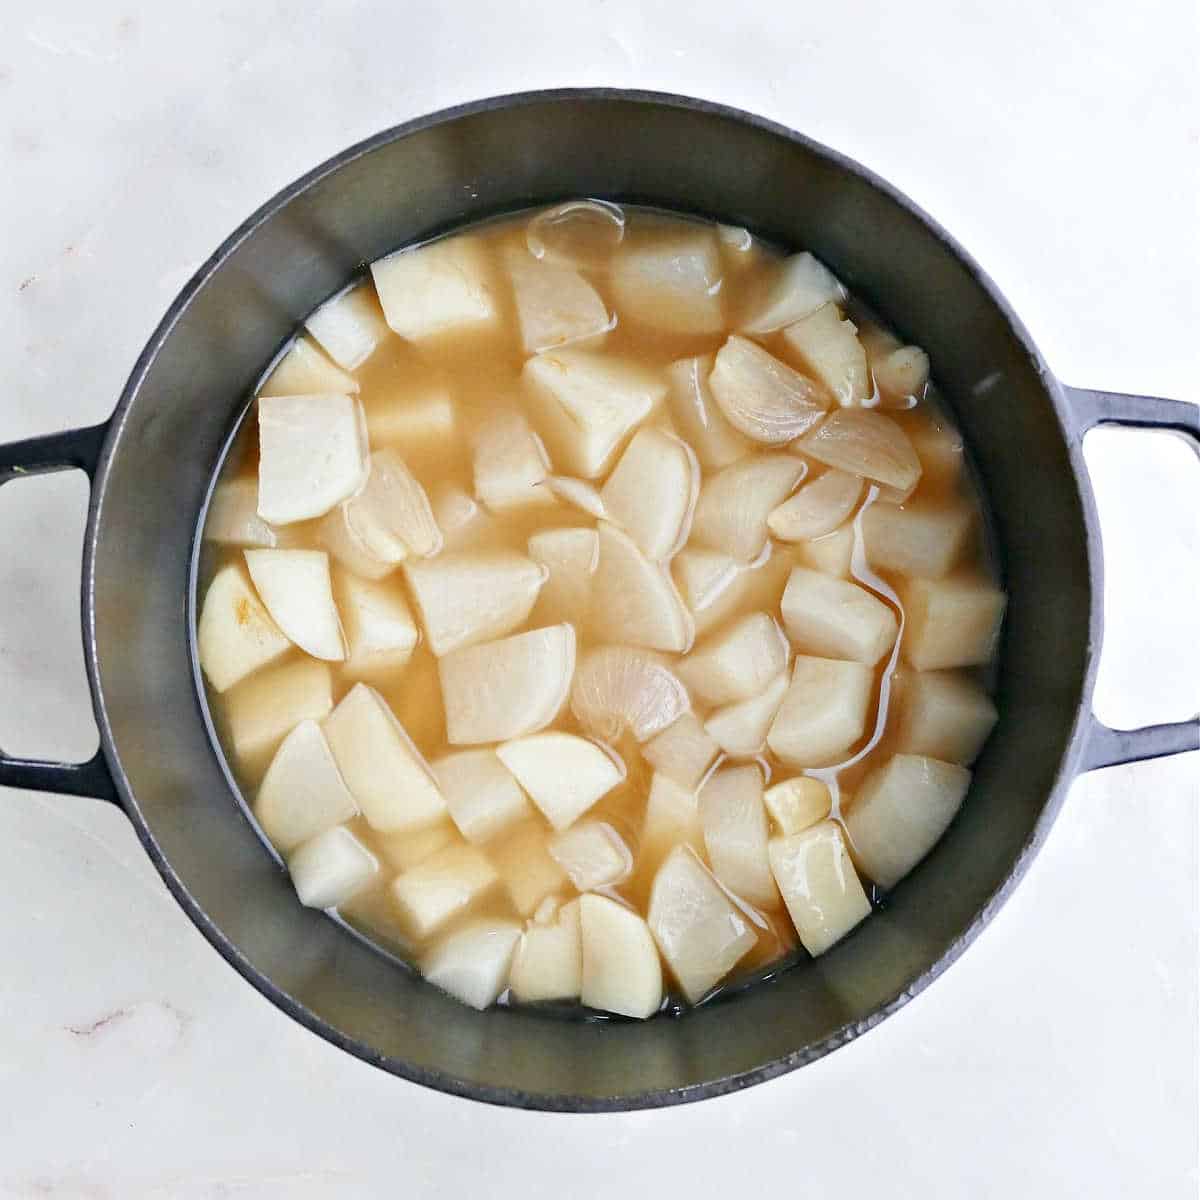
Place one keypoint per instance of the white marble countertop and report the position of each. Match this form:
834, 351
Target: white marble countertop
1061, 144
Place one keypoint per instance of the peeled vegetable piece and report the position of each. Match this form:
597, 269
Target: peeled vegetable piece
549, 960
331, 868
305, 371
570, 557
741, 729
235, 634
563, 774
699, 418
940, 449
797, 803
593, 854
652, 492
380, 631
944, 715
901, 374
420, 422
509, 463
672, 284
864, 442
349, 327
383, 769
823, 894
634, 599
263, 710
620, 687
524, 864
303, 792
738, 662
683, 751
403, 851
586, 403
823, 713
296, 588
555, 304
391, 515
731, 515
442, 287
924, 538
950, 622
458, 515
818, 508
443, 886
672, 818
900, 811
621, 970
312, 455
472, 963
483, 797
835, 618
349, 550
233, 518
799, 286
762, 397
735, 833
578, 493
579, 233
700, 932
467, 598
710, 582
832, 554
504, 689
828, 348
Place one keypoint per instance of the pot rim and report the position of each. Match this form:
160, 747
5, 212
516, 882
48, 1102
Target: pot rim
514, 1097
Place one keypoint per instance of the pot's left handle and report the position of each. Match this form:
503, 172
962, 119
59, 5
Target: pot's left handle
74, 449
1106, 747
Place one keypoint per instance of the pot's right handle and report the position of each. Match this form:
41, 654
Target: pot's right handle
1105, 747
77, 449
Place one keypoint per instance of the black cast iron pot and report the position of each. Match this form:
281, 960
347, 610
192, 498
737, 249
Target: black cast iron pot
152, 465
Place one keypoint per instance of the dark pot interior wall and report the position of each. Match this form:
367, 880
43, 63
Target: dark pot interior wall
179, 413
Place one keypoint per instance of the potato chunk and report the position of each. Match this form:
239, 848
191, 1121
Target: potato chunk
835, 618
593, 854
509, 463
483, 797
349, 327
683, 751
823, 894
827, 346
296, 588
312, 455
556, 306
443, 886
797, 803
951, 622
902, 374
549, 959
472, 963
735, 833
741, 729
864, 442
797, 286
563, 774
233, 518
621, 970
924, 538
390, 780
762, 397
586, 404
305, 371
672, 818
235, 634
823, 713
672, 284
441, 287
738, 662
263, 710
652, 492
331, 868
473, 597
698, 416
503, 689
832, 554
731, 515
900, 811
700, 932
303, 792
944, 715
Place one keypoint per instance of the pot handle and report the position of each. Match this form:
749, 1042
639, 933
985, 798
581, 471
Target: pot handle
73, 449
1105, 747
